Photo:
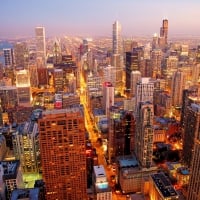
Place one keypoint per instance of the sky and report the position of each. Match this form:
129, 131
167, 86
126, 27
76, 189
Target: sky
18, 18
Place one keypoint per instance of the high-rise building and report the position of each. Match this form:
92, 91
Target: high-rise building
40, 43
3, 147
177, 87
108, 96
8, 57
21, 55
194, 181
163, 39
144, 91
195, 73
8, 96
132, 63
117, 40
23, 88
144, 134
198, 54
190, 95
58, 80
191, 120
62, 146
135, 77
156, 57
26, 146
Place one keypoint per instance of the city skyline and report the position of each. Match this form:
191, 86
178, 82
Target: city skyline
95, 18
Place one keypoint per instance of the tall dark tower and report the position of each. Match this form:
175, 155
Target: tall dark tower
164, 30
194, 181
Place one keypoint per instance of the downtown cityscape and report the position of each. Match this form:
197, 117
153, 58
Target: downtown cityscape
99, 116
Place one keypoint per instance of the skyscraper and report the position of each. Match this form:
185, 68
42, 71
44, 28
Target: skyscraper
164, 30
191, 128
8, 57
178, 84
62, 144
144, 134
194, 181
40, 43
135, 77
21, 55
144, 91
117, 40
108, 96
23, 87
163, 39
117, 56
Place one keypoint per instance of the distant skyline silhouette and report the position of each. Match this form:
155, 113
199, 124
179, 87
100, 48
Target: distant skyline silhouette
95, 17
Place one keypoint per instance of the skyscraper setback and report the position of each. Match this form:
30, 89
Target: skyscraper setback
62, 144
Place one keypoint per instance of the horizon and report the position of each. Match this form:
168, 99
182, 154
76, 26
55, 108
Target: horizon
89, 19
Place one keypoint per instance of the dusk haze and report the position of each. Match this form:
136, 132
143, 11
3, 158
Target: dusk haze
100, 99
93, 18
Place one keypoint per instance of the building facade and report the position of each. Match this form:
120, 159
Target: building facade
62, 145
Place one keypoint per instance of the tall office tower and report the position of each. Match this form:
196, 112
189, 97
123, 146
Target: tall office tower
3, 147
23, 88
170, 64
191, 129
8, 57
196, 73
194, 181
62, 147
116, 38
117, 62
190, 95
124, 129
40, 44
57, 54
156, 57
21, 55
132, 63
33, 75
117, 56
177, 87
10, 178
1, 71
155, 41
144, 134
42, 76
198, 54
163, 39
108, 96
8, 97
58, 80
26, 146
135, 77
109, 75
100, 183
144, 91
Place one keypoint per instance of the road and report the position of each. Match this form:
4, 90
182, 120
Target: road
93, 137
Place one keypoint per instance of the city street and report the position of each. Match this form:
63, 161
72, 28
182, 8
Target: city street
89, 124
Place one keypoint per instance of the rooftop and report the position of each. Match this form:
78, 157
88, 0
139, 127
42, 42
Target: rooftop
31, 194
10, 169
99, 171
164, 185
128, 162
